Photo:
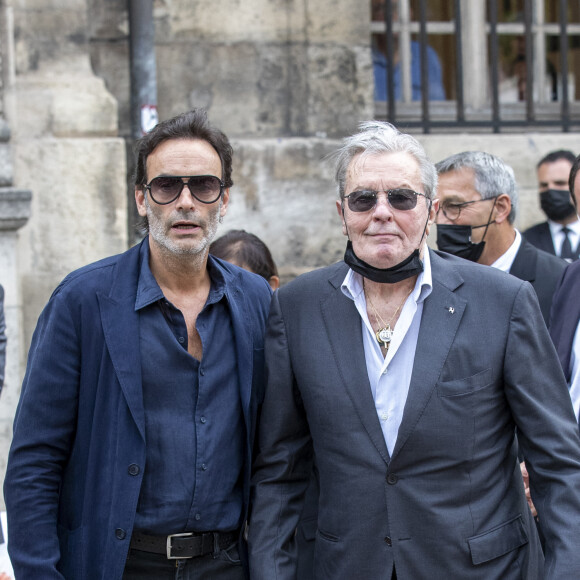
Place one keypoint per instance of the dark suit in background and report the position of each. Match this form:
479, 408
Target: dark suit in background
566, 315
541, 270
541, 237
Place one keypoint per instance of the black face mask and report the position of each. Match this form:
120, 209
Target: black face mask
456, 240
411, 266
556, 204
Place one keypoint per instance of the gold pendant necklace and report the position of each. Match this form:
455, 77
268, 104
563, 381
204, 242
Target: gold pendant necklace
385, 333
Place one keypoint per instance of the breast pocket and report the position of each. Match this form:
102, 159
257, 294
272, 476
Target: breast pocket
465, 385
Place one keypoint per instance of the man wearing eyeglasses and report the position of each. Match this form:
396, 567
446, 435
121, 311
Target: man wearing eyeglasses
132, 439
404, 372
477, 209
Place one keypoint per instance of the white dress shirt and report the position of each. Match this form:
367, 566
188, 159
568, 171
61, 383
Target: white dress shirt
575, 378
390, 376
505, 261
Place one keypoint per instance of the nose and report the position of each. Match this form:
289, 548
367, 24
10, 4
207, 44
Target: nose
186, 199
383, 209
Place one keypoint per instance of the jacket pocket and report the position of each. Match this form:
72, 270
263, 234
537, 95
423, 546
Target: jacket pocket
327, 536
464, 386
498, 541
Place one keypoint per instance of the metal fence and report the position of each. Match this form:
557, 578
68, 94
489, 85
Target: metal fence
476, 102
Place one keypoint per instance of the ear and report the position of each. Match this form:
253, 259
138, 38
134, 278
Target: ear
140, 202
339, 209
433, 211
432, 216
225, 202
274, 282
503, 207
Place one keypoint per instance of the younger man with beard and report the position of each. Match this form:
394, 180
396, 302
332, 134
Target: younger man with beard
132, 439
559, 235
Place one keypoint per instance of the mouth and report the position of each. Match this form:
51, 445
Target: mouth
384, 235
184, 226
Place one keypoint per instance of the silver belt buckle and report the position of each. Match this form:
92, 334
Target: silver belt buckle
170, 546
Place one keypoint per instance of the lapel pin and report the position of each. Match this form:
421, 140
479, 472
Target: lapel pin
451, 310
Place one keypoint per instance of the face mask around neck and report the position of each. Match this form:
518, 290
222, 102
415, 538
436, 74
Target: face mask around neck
410, 266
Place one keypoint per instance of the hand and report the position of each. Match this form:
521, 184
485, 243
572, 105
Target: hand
526, 478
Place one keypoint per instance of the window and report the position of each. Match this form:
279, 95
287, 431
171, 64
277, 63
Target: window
492, 64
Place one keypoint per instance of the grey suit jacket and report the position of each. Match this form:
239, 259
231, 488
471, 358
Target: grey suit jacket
449, 503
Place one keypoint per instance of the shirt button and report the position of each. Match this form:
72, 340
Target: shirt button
392, 479
203, 467
388, 541
384, 416
203, 419
202, 372
133, 469
198, 517
181, 340
120, 534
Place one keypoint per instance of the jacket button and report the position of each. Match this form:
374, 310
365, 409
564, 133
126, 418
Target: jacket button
134, 469
388, 541
392, 479
120, 534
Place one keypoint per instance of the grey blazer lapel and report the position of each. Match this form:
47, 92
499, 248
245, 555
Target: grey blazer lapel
442, 313
343, 327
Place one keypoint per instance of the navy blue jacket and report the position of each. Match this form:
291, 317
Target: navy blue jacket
565, 315
77, 458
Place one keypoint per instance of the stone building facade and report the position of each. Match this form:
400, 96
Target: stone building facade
285, 79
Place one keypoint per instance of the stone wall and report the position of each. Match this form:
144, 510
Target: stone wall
264, 68
64, 149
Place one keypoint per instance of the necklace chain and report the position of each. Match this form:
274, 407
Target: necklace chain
385, 333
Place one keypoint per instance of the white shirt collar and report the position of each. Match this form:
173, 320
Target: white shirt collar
556, 228
506, 260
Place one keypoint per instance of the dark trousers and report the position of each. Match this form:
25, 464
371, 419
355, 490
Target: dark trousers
223, 565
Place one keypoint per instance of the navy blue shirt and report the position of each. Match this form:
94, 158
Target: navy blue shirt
194, 422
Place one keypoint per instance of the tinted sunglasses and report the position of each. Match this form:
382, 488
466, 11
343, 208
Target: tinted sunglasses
366, 199
165, 189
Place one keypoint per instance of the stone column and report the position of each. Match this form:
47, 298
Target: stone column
14, 213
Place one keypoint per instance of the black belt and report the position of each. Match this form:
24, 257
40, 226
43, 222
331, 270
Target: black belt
186, 545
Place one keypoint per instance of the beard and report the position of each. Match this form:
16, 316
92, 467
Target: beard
160, 228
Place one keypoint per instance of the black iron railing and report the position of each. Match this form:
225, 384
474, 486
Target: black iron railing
493, 114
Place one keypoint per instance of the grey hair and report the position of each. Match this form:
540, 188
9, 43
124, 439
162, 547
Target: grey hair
492, 176
375, 137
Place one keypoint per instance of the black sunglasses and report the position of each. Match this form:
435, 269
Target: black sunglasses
165, 189
366, 199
